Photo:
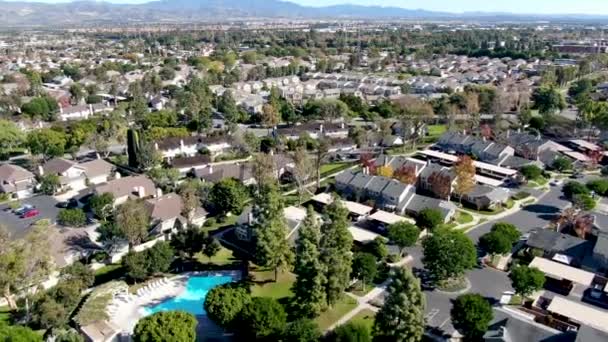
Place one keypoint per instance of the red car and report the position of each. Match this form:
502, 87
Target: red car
30, 213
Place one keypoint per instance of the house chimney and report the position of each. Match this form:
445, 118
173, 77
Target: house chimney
181, 143
40, 170
321, 128
342, 125
117, 175
159, 192
141, 192
210, 169
97, 156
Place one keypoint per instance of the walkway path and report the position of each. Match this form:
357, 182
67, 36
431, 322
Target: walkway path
363, 302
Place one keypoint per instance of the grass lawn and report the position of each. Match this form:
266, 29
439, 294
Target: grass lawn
329, 317
437, 130
364, 317
328, 169
358, 290
107, 273
223, 257
265, 286
5, 314
219, 224
464, 218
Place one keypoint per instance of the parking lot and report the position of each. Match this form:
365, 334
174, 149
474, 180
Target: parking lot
19, 227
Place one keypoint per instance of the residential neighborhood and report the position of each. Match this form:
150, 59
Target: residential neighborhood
351, 176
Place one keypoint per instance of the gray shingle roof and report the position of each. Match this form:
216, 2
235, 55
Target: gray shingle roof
552, 241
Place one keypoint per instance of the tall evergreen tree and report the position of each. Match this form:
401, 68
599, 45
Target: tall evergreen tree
336, 243
402, 315
309, 293
271, 248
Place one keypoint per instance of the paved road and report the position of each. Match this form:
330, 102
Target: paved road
487, 281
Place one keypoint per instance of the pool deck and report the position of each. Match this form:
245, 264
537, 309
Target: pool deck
129, 313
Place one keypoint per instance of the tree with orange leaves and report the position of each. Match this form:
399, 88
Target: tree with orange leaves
465, 176
406, 174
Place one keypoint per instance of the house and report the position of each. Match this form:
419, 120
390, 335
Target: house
419, 203
77, 176
561, 247
188, 164
16, 181
506, 327
190, 146
435, 171
166, 214
81, 112
486, 197
294, 216
215, 173
124, 188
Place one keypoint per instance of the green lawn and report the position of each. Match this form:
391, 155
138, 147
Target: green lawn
328, 169
364, 317
464, 218
5, 314
329, 317
437, 130
219, 223
265, 286
108, 272
223, 257
359, 290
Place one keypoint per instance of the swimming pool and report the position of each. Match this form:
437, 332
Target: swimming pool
193, 297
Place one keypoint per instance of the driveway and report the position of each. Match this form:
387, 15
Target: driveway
19, 227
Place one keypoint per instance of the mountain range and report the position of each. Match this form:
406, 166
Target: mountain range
37, 14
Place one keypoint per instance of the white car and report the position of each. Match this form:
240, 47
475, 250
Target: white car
556, 182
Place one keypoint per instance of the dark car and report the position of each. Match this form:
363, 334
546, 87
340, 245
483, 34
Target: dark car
71, 204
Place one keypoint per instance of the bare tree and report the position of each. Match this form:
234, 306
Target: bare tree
302, 170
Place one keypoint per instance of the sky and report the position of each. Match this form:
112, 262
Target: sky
512, 6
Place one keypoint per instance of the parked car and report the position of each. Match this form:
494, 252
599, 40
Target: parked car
71, 204
21, 210
30, 213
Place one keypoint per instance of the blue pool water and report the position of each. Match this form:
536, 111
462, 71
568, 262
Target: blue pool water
192, 299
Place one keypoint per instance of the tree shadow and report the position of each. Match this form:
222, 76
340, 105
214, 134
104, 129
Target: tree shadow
541, 209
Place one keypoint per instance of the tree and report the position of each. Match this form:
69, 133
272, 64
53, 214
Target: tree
48, 142
406, 174
377, 247
571, 189
77, 93
227, 105
364, 268
548, 100
507, 229
584, 202
465, 176
302, 330
441, 184
321, 153
599, 186
136, 265
72, 217
448, 254
429, 218
272, 248
228, 196
165, 178
191, 201
308, 290
17, 333
385, 171
212, 247
48, 313
537, 122
133, 219
531, 172
401, 318
495, 243
10, 135
224, 303
189, 241
78, 275
159, 257
49, 184
351, 332
526, 280
403, 235
471, 315
270, 115
336, 243
170, 326
110, 236
263, 169
102, 205
302, 170
261, 318
562, 164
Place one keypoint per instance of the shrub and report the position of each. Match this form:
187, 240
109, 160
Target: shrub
599, 186
584, 201
531, 172
521, 195
72, 217
429, 219
574, 188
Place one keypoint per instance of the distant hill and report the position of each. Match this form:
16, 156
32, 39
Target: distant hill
96, 12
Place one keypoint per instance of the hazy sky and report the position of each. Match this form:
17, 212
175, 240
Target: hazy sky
514, 6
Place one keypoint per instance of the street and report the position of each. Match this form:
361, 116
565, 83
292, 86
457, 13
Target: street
487, 281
